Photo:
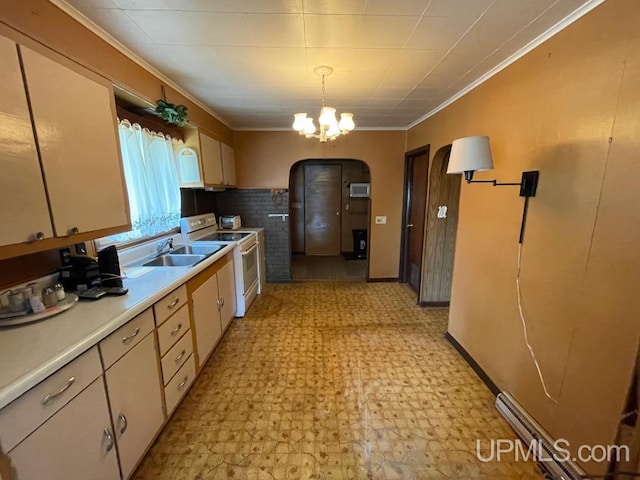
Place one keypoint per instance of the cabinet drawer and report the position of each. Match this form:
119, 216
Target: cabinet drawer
179, 385
176, 357
125, 338
25, 414
171, 303
171, 330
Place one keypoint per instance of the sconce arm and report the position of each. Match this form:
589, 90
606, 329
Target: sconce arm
528, 185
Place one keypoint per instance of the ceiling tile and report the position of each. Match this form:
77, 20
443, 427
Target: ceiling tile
405, 7
337, 7
410, 67
439, 33
181, 5
271, 6
351, 66
331, 31
276, 30
458, 8
385, 31
86, 5
193, 28
119, 25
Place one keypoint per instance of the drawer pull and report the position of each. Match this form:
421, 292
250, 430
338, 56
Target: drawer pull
131, 337
176, 330
179, 357
38, 236
123, 420
184, 382
107, 434
174, 303
52, 396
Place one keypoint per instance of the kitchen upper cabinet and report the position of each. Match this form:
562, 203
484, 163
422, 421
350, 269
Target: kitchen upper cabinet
21, 186
73, 115
77, 442
228, 165
60, 155
211, 160
135, 396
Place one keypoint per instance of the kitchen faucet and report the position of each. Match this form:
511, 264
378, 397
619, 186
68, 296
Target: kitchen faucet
160, 246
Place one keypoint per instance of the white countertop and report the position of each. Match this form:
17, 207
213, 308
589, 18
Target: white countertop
30, 353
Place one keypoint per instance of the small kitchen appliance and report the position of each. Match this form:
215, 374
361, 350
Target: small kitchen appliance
230, 222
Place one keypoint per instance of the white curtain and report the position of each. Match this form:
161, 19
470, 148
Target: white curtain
152, 181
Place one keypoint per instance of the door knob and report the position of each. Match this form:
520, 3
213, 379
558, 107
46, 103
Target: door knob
409, 225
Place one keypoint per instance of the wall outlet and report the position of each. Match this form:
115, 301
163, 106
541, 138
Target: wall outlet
381, 220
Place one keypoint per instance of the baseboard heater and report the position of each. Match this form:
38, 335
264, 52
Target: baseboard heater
530, 431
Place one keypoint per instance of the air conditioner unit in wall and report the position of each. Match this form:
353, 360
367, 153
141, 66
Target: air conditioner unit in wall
359, 189
530, 431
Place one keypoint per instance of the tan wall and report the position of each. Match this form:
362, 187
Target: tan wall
554, 110
264, 159
49, 25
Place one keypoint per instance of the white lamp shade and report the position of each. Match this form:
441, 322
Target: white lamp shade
309, 126
327, 117
299, 121
346, 122
333, 131
470, 154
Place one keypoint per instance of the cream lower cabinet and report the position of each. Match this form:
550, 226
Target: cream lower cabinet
77, 442
212, 295
135, 396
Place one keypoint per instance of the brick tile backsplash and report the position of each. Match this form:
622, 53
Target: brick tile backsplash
254, 206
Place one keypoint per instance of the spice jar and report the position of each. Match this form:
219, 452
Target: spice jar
49, 297
60, 294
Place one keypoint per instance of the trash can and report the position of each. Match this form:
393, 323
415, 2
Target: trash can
360, 243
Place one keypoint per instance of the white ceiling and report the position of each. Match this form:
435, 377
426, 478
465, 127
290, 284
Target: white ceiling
252, 61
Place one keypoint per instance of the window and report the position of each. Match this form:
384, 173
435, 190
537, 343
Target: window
152, 182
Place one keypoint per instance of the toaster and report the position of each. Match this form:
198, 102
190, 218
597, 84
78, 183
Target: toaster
230, 222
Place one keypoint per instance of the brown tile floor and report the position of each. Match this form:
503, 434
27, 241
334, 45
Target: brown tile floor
317, 267
334, 380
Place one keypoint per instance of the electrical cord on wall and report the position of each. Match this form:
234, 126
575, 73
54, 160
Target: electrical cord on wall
524, 328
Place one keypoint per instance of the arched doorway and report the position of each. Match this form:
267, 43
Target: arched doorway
325, 218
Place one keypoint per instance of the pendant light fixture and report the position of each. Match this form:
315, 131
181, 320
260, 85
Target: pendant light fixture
330, 128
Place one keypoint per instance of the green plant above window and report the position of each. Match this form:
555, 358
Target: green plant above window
171, 113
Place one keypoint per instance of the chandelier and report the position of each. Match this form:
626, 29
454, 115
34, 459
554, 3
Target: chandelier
330, 128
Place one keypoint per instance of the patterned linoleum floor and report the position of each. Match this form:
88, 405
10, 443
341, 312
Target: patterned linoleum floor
318, 267
334, 380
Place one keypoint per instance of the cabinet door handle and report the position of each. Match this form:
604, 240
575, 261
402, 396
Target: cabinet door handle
176, 330
74, 231
218, 304
123, 420
127, 339
222, 301
174, 303
179, 357
38, 236
107, 435
184, 382
66, 386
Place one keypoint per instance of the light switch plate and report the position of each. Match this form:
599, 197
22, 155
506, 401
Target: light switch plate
381, 220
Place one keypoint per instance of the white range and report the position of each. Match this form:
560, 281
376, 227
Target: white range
203, 230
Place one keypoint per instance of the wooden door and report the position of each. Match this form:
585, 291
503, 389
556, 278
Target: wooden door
72, 444
322, 206
416, 197
441, 230
25, 210
227, 290
135, 395
75, 120
206, 318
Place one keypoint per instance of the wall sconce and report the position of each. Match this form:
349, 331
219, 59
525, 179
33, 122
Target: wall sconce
473, 154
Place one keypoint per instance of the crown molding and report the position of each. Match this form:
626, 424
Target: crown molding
107, 37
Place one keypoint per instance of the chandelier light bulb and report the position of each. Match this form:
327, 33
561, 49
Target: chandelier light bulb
346, 123
327, 117
309, 126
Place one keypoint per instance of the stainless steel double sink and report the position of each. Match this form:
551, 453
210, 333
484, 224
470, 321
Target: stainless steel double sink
186, 256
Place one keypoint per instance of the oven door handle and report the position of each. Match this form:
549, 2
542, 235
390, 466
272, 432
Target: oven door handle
255, 245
